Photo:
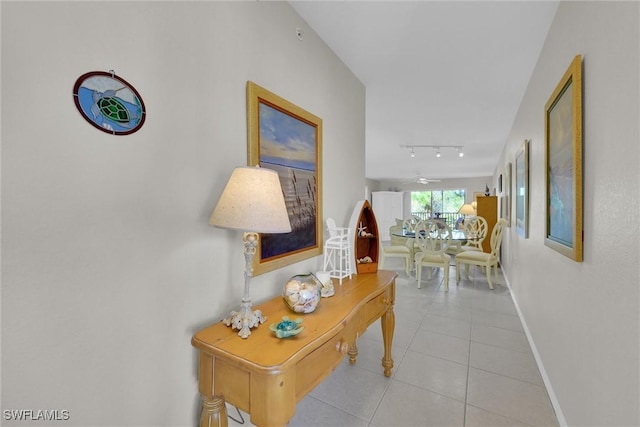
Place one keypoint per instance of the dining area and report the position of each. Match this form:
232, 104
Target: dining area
426, 246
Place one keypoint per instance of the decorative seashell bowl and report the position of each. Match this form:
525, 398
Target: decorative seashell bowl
301, 293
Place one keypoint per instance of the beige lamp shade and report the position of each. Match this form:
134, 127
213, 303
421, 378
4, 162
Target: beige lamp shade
252, 201
467, 209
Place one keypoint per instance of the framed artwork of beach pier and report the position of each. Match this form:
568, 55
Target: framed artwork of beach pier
287, 139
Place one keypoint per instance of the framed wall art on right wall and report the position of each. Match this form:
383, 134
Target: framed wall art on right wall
521, 194
563, 164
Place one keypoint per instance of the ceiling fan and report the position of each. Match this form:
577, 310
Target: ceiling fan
421, 180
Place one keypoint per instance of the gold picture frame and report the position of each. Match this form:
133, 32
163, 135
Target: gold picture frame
288, 139
563, 164
505, 211
521, 195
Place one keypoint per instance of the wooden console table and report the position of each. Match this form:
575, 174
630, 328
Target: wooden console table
266, 376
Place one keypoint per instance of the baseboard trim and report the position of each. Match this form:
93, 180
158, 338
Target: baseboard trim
545, 378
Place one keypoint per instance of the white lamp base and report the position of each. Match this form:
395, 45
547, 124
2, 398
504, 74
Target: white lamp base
245, 319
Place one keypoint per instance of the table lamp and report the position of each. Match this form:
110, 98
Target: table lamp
466, 209
253, 202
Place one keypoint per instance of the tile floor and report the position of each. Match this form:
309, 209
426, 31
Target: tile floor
461, 359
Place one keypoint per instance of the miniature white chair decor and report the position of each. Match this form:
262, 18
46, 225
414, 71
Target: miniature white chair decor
483, 259
398, 250
475, 229
432, 237
337, 251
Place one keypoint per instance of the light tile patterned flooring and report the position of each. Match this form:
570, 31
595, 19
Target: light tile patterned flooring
461, 359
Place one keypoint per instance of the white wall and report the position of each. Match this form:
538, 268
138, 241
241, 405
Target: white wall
583, 317
108, 262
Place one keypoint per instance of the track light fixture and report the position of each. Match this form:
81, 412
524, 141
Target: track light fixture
458, 148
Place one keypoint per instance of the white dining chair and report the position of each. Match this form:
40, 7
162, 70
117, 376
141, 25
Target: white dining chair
409, 226
475, 229
432, 238
399, 248
483, 259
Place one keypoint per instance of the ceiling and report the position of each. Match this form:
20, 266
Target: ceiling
436, 73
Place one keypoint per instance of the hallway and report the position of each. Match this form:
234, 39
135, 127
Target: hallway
461, 359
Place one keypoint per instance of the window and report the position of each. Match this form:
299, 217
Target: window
437, 203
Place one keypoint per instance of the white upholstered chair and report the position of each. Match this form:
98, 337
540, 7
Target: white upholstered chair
337, 251
399, 248
409, 225
432, 238
483, 259
394, 232
475, 228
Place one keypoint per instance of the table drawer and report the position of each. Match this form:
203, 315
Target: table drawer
318, 365
374, 309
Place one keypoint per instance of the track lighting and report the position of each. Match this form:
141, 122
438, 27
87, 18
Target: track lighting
458, 148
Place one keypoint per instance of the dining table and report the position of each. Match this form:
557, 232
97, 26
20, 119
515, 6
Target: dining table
458, 238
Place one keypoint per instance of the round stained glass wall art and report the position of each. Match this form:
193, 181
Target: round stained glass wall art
109, 103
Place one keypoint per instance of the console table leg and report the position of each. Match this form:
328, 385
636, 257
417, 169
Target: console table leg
388, 322
214, 412
353, 353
